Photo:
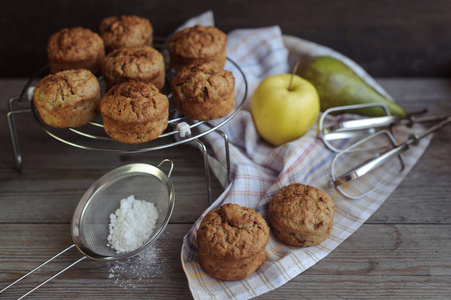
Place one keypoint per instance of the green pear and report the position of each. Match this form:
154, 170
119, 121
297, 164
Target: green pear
339, 85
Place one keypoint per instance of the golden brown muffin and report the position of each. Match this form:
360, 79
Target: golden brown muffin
232, 241
134, 112
68, 98
198, 44
301, 215
126, 31
203, 92
142, 63
75, 48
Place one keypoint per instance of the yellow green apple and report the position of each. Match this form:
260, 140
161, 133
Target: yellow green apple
284, 107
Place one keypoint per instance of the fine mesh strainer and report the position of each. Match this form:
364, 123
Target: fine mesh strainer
90, 223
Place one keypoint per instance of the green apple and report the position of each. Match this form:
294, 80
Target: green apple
284, 107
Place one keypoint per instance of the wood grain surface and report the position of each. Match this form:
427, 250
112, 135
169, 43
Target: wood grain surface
388, 38
401, 252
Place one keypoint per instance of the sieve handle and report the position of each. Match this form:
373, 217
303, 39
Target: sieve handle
41, 284
168, 161
38, 267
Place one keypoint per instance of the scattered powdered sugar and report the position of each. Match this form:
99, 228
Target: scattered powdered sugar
131, 225
137, 271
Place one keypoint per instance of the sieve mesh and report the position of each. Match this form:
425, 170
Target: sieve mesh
150, 185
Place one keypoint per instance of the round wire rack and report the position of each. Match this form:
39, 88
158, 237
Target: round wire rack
92, 136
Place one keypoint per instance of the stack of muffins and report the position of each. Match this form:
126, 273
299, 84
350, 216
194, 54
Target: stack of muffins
133, 108
232, 239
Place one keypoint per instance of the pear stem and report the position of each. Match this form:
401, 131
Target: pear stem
292, 75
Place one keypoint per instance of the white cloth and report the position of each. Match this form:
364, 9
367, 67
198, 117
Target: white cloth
260, 170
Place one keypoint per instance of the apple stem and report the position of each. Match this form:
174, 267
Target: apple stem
292, 75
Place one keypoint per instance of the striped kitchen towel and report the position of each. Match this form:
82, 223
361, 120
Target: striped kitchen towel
260, 170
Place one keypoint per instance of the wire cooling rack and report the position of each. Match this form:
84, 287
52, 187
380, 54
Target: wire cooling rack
92, 136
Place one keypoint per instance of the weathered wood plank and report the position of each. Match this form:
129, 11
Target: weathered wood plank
385, 261
388, 38
423, 196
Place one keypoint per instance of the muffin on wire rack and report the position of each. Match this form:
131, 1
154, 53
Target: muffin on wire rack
134, 112
126, 31
203, 91
68, 98
198, 44
75, 48
142, 63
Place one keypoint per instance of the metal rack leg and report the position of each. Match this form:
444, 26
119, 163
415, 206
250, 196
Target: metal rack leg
226, 142
203, 149
13, 132
226, 145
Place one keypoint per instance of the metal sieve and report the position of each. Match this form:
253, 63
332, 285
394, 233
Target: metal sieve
90, 222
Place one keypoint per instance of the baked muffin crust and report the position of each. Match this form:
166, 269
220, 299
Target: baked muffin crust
301, 215
134, 112
203, 91
142, 63
198, 44
68, 98
232, 241
126, 31
75, 48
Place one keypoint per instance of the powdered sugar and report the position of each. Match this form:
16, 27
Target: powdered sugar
138, 271
132, 224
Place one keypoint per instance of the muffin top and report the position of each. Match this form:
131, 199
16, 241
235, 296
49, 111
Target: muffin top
233, 232
65, 88
138, 62
198, 42
125, 31
202, 82
301, 208
73, 44
134, 102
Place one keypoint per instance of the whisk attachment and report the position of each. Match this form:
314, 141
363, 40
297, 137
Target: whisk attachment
338, 136
378, 155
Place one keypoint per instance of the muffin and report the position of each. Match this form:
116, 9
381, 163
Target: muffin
134, 112
68, 98
232, 241
197, 44
142, 63
203, 92
75, 48
125, 31
301, 215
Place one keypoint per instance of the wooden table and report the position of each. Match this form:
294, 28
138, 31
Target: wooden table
402, 252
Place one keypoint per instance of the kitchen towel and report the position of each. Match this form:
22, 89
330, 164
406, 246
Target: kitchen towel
259, 170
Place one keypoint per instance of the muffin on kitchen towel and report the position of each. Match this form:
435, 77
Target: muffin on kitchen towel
232, 241
301, 215
142, 63
259, 170
126, 31
134, 112
75, 48
203, 91
68, 98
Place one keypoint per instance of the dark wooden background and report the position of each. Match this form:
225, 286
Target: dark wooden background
398, 38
